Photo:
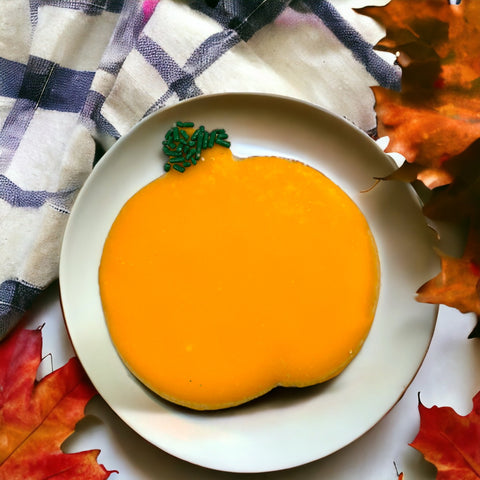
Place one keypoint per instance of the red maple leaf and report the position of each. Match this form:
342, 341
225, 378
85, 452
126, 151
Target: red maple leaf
36, 417
450, 441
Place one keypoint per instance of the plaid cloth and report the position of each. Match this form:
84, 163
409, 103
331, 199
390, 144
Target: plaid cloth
75, 75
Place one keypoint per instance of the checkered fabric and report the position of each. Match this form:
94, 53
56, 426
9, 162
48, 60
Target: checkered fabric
75, 75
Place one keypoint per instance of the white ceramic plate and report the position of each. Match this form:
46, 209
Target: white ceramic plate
285, 428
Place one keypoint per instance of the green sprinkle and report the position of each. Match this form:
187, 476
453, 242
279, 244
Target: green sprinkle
179, 167
222, 143
205, 142
184, 149
168, 151
211, 140
198, 147
176, 134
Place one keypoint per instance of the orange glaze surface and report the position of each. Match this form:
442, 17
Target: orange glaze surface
237, 276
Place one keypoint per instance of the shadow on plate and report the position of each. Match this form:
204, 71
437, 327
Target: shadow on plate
277, 398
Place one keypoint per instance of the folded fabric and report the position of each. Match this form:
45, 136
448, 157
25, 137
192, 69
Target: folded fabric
77, 75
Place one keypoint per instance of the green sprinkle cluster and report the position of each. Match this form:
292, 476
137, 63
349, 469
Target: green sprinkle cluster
184, 150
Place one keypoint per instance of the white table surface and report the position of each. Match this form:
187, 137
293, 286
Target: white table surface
449, 376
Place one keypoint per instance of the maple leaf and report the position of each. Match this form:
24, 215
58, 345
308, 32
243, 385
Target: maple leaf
36, 417
436, 114
434, 122
458, 283
450, 441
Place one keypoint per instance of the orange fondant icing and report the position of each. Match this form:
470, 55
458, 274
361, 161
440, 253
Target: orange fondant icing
237, 276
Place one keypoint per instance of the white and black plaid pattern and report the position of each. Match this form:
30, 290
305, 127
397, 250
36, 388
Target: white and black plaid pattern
76, 72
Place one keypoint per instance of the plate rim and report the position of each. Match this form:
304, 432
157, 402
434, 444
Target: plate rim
112, 151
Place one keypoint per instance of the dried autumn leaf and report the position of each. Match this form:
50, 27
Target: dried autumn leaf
36, 417
436, 115
434, 121
450, 441
457, 285
459, 201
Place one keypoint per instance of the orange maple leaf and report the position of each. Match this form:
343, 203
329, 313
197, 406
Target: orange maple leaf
436, 115
434, 121
450, 442
458, 283
36, 417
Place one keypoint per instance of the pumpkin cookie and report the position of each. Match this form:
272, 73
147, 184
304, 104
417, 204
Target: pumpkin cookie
237, 276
